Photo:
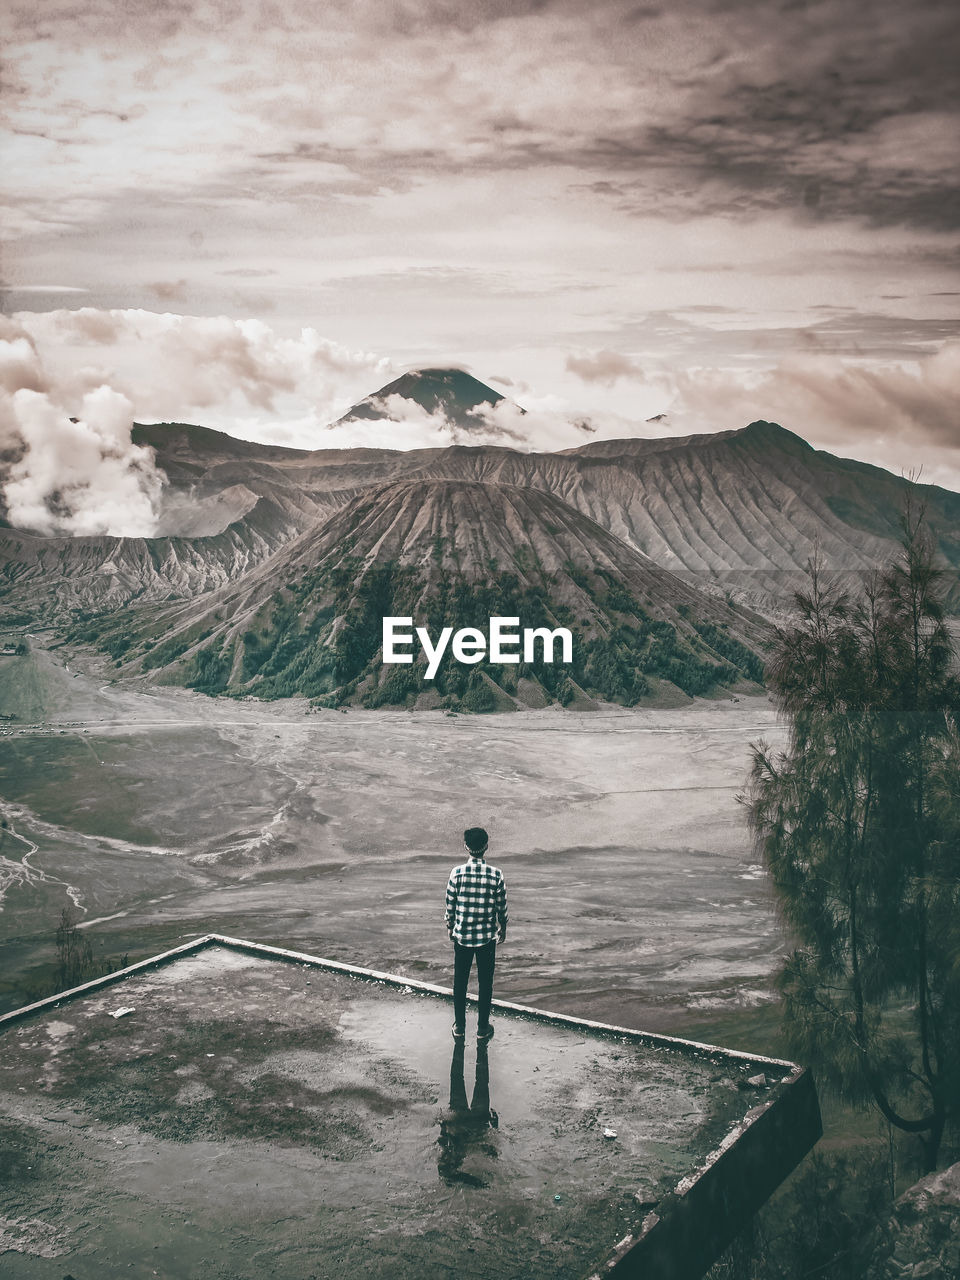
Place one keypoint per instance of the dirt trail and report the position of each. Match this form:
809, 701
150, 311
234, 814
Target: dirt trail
18, 871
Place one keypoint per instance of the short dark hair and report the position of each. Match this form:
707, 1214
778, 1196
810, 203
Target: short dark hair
475, 838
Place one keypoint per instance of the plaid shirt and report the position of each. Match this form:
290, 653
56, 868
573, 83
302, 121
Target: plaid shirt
476, 903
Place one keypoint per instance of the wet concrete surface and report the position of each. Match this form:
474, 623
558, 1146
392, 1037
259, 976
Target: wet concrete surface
256, 1118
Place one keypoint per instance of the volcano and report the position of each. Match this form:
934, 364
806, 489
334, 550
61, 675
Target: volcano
453, 394
448, 553
276, 565
738, 511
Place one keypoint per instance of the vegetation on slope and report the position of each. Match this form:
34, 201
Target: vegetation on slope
320, 636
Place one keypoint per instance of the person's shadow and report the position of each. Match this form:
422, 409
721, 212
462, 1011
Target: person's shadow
464, 1127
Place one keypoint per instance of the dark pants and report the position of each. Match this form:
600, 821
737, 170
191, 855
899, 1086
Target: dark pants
462, 960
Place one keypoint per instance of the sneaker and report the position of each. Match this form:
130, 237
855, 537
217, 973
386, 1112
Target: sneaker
485, 1033
458, 1032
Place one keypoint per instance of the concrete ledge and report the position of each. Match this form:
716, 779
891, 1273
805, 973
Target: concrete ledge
107, 980
684, 1228
654, 1039
689, 1229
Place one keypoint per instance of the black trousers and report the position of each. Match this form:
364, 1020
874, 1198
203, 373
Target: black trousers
462, 960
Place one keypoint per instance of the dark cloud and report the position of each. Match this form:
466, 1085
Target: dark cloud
175, 362
248, 273
604, 366
829, 110
740, 176
429, 15
814, 109
170, 290
143, 22
681, 341
435, 174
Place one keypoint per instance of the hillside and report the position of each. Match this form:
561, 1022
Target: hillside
754, 502
269, 561
446, 553
43, 579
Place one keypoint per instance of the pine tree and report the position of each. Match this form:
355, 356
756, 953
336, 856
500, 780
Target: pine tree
858, 823
74, 953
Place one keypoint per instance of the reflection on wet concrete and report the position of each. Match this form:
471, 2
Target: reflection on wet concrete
464, 1128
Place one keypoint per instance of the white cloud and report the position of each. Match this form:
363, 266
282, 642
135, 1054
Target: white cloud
548, 424
73, 382
75, 469
107, 368
19, 362
81, 475
894, 415
242, 377
207, 368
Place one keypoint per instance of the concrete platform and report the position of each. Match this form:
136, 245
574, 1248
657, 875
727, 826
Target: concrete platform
261, 1113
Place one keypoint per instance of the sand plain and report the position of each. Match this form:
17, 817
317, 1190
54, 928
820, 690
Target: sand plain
160, 814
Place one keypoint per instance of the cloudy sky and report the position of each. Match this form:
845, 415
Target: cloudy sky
251, 214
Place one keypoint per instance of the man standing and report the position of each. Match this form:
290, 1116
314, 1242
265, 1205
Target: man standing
476, 921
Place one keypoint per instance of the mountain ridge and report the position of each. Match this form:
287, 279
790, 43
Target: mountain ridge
448, 553
743, 509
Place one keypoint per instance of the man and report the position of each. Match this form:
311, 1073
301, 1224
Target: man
476, 920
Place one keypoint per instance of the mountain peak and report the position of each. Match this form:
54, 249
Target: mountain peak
453, 392
773, 433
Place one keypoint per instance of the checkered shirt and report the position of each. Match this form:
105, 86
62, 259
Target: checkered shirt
476, 903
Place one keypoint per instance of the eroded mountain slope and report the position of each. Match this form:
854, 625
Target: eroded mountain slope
447, 553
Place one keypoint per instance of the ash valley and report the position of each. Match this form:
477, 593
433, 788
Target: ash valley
470, 645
